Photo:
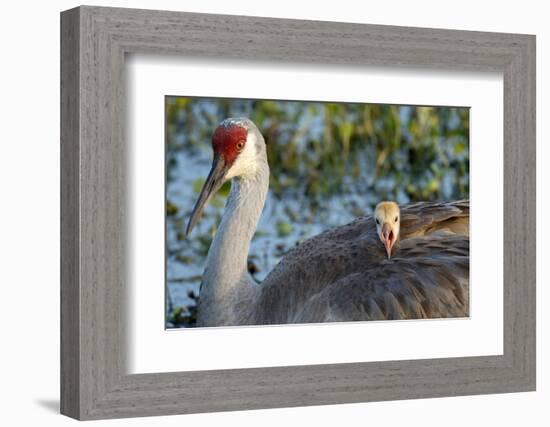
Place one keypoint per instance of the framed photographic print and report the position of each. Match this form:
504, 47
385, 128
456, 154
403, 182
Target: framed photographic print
286, 206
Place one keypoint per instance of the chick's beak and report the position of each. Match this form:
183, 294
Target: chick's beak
388, 238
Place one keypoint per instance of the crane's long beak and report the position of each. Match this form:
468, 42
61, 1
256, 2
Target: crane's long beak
212, 184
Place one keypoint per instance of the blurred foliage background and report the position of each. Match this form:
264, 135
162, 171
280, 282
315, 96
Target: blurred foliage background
330, 163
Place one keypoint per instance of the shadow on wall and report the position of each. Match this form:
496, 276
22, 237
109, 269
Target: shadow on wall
52, 405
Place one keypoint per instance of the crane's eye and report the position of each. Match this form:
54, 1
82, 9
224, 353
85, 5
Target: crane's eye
396, 218
240, 145
377, 222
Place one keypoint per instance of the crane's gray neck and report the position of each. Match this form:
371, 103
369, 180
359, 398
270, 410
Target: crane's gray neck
226, 281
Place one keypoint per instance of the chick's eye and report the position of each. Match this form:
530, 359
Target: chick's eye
377, 222
396, 218
240, 145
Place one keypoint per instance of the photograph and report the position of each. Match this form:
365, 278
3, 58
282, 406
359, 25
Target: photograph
296, 212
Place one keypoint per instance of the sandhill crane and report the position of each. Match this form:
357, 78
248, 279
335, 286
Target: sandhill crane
342, 274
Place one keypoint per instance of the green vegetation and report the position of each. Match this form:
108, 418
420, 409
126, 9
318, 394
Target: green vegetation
329, 163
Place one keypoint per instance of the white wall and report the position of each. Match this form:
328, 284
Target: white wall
29, 211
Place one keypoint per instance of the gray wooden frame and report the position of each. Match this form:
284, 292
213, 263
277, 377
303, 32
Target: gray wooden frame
94, 41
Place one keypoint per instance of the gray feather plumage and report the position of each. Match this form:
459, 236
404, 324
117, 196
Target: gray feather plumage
343, 274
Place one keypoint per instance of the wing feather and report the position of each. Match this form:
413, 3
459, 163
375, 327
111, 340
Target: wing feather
343, 274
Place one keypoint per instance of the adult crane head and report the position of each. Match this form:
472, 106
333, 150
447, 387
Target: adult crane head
239, 150
387, 219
